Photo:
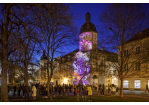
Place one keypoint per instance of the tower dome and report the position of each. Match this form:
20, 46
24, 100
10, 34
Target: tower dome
88, 26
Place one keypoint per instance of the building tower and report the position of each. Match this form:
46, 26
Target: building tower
83, 61
88, 36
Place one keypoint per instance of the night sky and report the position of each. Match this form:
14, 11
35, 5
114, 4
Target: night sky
79, 10
95, 9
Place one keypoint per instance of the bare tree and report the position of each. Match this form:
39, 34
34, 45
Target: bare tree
121, 22
57, 31
13, 20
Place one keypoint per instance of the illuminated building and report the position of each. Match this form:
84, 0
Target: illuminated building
88, 63
136, 62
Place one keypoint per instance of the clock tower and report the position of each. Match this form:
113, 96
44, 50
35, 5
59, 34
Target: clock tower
88, 36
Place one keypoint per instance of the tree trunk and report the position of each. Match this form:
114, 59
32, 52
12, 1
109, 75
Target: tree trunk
121, 90
51, 86
25, 74
48, 82
4, 90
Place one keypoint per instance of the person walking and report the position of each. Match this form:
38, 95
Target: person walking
84, 93
103, 89
74, 90
19, 89
108, 88
146, 88
26, 91
8, 88
78, 92
112, 91
23, 89
117, 90
89, 92
99, 89
59, 89
14, 90
34, 90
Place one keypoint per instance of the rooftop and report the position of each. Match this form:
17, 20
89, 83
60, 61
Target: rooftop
141, 35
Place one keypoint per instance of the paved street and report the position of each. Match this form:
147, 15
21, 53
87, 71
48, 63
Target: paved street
140, 95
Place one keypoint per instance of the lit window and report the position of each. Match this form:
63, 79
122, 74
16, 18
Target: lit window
126, 84
137, 83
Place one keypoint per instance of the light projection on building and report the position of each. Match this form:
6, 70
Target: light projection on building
85, 42
81, 65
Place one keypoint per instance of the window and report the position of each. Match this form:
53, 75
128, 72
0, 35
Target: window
137, 66
126, 83
126, 66
137, 83
137, 50
125, 52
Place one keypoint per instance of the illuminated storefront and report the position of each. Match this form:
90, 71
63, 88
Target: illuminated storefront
137, 84
126, 84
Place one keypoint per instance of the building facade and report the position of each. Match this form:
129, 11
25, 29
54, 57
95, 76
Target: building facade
86, 65
136, 62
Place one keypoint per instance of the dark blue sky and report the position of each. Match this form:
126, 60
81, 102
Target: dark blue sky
95, 9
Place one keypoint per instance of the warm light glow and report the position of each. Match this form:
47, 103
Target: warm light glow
65, 80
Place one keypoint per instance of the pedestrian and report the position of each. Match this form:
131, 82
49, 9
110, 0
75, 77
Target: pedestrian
8, 88
74, 90
23, 89
66, 89
84, 93
49, 89
14, 90
19, 89
117, 90
99, 89
89, 92
70, 87
108, 88
26, 91
146, 88
103, 89
96, 87
59, 89
34, 90
112, 91
78, 92
63, 90
55, 88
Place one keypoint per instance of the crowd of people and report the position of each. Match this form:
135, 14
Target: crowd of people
85, 91
26, 89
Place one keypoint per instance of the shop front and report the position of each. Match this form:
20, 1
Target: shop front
135, 84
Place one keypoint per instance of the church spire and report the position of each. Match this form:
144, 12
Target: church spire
88, 15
